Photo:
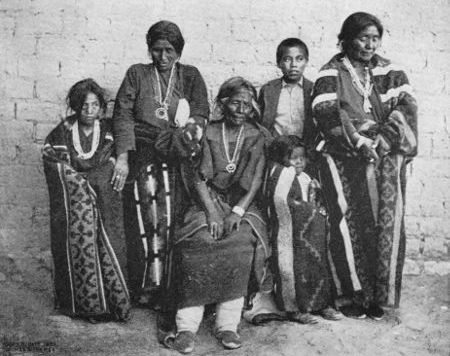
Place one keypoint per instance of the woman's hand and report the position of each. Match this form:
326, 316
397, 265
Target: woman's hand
193, 131
120, 173
192, 134
215, 225
383, 147
232, 222
367, 147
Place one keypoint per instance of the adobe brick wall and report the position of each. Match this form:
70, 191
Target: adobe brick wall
48, 45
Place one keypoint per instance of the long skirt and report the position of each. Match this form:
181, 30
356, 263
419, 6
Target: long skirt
367, 237
213, 271
203, 271
87, 242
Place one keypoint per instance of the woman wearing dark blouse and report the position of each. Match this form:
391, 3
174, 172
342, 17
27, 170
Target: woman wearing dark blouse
159, 115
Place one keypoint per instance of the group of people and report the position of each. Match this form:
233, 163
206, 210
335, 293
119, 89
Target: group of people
288, 205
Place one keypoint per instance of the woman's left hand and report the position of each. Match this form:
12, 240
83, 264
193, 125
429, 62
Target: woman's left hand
231, 222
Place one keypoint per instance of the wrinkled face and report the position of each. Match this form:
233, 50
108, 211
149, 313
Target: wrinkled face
364, 46
90, 110
297, 159
238, 107
163, 55
293, 63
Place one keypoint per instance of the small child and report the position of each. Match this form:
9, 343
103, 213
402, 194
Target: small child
298, 236
286, 102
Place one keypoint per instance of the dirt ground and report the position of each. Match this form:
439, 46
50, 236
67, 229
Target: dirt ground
420, 327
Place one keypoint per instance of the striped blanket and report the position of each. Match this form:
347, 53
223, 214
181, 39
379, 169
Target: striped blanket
299, 241
88, 277
366, 199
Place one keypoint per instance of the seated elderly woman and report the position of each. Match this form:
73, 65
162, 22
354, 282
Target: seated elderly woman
87, 235
223, 234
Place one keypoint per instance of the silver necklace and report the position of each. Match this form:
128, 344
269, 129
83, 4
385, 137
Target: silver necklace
163, 111
365, 90
231, 166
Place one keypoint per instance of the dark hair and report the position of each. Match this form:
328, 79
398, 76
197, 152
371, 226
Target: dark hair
165, 30
282, 147
291, 42
78, 92
233, 86
354, 24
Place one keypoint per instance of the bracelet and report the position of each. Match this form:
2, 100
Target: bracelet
238, 210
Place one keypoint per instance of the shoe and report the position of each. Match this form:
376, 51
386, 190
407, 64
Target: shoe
184, 342
375, 312
303, 318
354, 311
229, 339
330, 313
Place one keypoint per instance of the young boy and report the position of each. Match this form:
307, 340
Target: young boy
286, 102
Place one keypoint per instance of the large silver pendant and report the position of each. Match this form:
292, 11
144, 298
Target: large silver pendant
230, 167
161, 113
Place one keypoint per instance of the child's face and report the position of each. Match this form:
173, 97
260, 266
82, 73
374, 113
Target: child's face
297, 159
293, 63
90, 110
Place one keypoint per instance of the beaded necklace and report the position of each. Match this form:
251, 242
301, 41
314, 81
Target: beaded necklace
95, 140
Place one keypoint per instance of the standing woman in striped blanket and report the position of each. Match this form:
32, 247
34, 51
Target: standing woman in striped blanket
366, 111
